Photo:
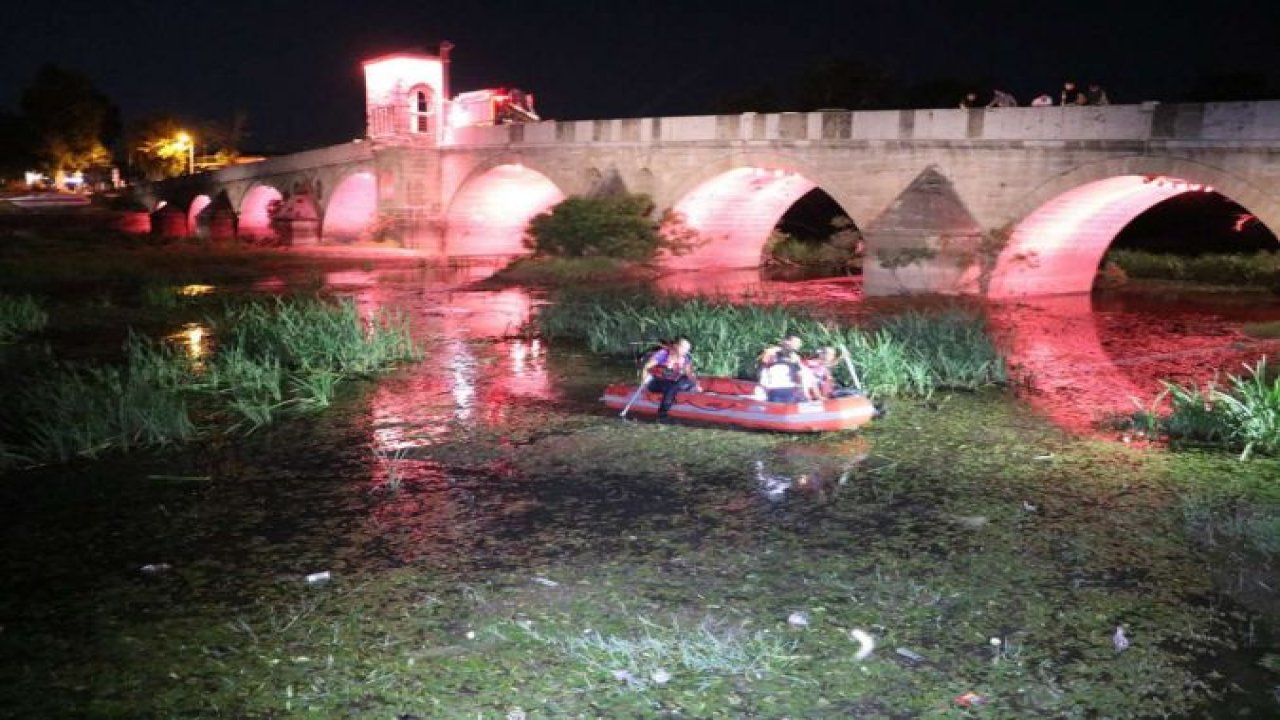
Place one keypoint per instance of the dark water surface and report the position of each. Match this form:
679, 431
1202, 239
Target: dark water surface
232, 520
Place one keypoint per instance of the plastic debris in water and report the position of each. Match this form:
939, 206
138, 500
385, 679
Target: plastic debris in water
624, 675
1028, 506
774, 487
866, 644
798, 620
911, 655
970, 699
155, 568
544, 581
660, 677
1120, 640
319, 577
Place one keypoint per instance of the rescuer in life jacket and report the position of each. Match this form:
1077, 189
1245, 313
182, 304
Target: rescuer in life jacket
820, 369
671, 368
770, 355
782, 378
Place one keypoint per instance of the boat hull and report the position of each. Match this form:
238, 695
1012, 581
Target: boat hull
732, 402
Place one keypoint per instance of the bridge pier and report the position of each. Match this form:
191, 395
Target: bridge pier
926, 241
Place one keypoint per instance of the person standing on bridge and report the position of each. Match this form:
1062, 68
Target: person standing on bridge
1071, 94
969, 101
1000, 98
1096, 95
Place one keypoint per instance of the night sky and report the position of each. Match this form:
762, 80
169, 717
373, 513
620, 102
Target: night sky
294, 67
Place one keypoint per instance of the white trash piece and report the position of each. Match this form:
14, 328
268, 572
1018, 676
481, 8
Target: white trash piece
319, 577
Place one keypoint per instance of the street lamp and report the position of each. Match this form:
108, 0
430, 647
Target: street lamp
185, 140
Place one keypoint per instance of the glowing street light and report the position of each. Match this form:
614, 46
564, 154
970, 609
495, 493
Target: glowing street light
186, 141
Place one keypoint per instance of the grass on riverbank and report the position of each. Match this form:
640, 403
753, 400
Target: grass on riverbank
271, 357
20, 315
1259, 270
568, 271
1243, 413
652, 576
913, 353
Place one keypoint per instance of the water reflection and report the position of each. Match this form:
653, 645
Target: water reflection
194, 339
195, 290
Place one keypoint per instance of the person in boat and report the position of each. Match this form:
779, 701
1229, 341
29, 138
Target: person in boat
781, 377
821, 368
670, 372
770, 355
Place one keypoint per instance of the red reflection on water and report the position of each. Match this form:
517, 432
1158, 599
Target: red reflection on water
1084, 363
1076, 359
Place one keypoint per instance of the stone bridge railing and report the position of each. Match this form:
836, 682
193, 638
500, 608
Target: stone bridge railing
1243, 123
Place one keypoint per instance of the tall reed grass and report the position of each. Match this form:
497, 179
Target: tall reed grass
20, 315
271, 358
1244, 413
913, 353
84, 410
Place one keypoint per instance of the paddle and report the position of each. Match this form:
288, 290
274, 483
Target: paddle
634, 396
844, 353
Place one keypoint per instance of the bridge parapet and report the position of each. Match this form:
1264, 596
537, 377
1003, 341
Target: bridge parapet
352, 153
1240, 122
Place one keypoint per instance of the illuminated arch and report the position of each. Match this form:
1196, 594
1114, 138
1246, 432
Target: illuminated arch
198, 204
352, 208
489, 213
735, 211
255, 217
1067, 224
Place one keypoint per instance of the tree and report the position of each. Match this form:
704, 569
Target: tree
615, 226
158, 147
72, 121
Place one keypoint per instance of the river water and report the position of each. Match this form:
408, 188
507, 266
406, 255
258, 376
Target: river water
297, 499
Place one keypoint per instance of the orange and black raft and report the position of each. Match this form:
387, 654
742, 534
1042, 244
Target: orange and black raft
734, 402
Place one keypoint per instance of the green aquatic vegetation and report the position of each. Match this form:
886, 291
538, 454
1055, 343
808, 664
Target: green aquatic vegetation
312, 334
1261, 269
1242, 413
913, 353
271, 358
81, 411
637, 570
20, 315
651, 654
556, 271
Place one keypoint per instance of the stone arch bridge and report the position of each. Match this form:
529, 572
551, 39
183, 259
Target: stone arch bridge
1002, 202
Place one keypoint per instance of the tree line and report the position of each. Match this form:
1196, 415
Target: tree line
63, 123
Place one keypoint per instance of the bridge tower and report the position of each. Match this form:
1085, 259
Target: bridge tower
406, 96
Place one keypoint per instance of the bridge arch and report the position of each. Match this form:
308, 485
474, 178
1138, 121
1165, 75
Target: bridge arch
198, 204
255, 211
735, 203
1061, 229
493, 205
351, 209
